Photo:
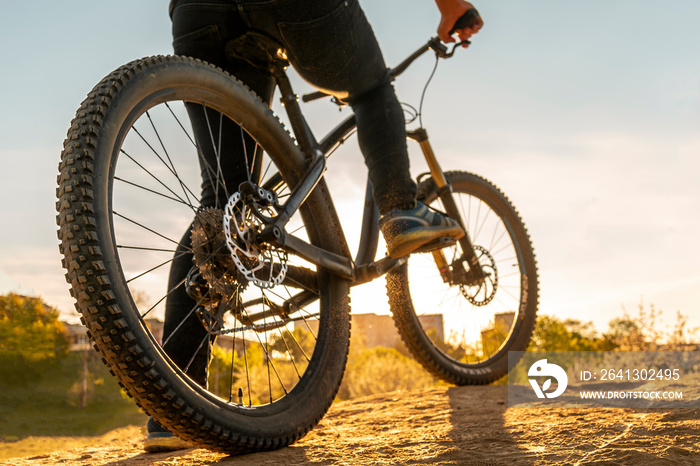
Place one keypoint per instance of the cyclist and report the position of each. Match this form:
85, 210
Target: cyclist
331, 45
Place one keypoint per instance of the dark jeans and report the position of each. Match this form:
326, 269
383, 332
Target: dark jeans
332, 46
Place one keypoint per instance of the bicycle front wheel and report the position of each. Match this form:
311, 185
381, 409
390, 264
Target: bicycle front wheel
235, 345
459, 330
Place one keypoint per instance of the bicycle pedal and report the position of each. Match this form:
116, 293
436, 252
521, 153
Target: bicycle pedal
435, 244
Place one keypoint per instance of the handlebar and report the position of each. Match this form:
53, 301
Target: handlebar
435, 44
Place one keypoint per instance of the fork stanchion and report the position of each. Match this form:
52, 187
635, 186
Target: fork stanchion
444, 191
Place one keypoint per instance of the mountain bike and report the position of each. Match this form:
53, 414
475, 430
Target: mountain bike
269, 266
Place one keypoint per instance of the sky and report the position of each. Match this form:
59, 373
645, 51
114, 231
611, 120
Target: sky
587, 115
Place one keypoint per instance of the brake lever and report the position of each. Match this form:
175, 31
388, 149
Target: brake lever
443, 51
461, 44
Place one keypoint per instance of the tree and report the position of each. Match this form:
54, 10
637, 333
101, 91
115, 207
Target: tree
31, 336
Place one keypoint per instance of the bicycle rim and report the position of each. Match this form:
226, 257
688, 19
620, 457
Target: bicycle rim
462, 331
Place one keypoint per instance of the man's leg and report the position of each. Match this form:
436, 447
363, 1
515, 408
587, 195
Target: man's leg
201, 30
332, 46
381, 135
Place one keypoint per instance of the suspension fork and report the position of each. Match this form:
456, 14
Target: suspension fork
444, 192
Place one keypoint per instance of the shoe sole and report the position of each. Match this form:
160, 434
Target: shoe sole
418, 239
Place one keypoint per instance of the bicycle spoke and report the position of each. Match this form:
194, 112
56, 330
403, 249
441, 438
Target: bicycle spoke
289, 351
193, 289
267, 168
149, 270
143, 316
219, 171
308, 327
170, 166
143, 248
182, 201
189, 314
479, 221
144, 227
263, 359
268, 357
116, 178
496, 228
233, 361
506, 247
167, 105
245, 155
207, 338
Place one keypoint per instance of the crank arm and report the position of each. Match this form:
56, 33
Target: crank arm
368, 272
335, 263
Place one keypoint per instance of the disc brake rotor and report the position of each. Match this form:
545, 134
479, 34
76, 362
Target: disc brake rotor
484, 292
264, 265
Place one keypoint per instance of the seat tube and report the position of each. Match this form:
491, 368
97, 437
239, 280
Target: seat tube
444, 191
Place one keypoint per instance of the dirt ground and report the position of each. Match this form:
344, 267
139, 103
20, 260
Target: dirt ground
444, 426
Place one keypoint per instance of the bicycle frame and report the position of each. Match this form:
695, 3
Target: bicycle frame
364, 268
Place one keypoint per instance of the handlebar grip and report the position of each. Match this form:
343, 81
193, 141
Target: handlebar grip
468, 19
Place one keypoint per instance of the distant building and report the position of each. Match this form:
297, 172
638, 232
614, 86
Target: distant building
502, 324
77, 336
79, 341
492, 338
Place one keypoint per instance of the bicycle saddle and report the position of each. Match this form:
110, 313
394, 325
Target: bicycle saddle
257, 49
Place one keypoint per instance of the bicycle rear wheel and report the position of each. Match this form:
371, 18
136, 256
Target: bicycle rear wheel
460, 331
254, 346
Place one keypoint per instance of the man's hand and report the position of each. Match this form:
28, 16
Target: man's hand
451, 11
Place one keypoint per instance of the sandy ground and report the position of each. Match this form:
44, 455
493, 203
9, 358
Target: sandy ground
445, 426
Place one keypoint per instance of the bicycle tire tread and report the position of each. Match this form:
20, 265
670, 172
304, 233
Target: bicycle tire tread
412, 335
90, 285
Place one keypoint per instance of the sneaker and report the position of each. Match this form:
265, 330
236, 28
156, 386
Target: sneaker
418, 230
161, 440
